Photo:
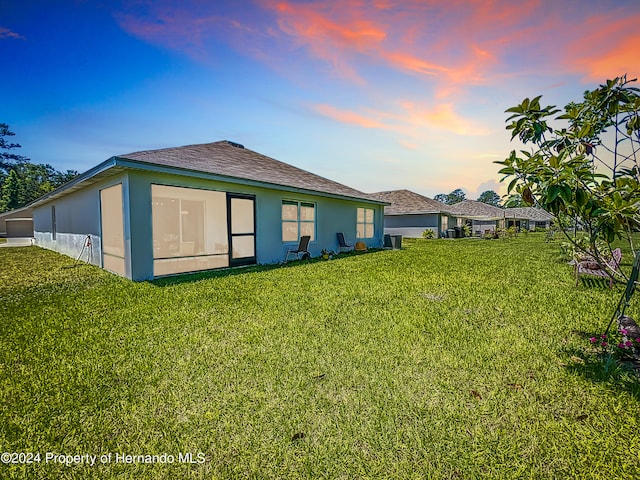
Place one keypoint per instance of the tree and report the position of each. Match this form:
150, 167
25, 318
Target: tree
513, 201
490, 197
585, 170
11, 192
453, 197
21, 181
8, 159
456, 196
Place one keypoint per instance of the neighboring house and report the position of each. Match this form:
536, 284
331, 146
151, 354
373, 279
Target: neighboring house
410, 214
198, 207
528, 218
17, 223
482, 217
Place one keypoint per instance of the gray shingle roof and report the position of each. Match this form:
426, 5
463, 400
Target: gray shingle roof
529, 213
406, 202
230, 159
475, 209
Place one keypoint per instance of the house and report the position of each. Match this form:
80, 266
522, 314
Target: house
159, 212
17, 223
528, 217
409, 214
481, 217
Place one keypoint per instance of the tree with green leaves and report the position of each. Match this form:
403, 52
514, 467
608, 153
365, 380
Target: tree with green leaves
584, 163
21, 181
11, 192
490, 198
7, 157
514, 201
453, 197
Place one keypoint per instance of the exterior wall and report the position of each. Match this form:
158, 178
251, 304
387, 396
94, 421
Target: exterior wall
479, 227
412, 226
77, 215
533, 224
332, 216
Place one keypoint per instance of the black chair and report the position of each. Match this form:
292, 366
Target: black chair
303, 248
342, 243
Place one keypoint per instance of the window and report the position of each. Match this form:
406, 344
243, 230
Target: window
364, 223
298, 219
53, 222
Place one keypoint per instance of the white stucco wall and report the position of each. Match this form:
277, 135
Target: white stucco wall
77, 216
332, 216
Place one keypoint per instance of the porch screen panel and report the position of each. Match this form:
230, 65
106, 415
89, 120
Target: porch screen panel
112, 226
189, 230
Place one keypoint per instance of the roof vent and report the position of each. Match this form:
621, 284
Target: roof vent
234, 144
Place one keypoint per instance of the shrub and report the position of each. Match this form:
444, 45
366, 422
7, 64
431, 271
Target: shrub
428, 234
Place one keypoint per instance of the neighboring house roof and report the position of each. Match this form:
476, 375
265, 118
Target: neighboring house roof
476, 210
529, 213
406, 202
224, 160
22, 212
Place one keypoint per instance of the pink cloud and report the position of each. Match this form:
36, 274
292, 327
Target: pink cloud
608, 47
453, 45
349, 117
6, 33
456, 44
407, 119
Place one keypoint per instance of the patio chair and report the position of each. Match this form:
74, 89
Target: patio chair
303, 248
590, 267
624, 301
342, 243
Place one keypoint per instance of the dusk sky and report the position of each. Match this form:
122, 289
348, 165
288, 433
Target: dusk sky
378, 95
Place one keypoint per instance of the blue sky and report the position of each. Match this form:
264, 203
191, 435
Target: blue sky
378, 94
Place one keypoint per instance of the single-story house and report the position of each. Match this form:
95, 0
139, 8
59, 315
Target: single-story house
409, 214
482, 217
17, 223
174, 210
528, 218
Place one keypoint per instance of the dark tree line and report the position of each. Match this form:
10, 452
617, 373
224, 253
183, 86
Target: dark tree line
490, 197
22, 181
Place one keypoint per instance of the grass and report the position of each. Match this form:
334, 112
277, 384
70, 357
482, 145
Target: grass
448, 359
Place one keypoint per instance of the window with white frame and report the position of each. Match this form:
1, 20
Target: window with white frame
364, 223
298, 219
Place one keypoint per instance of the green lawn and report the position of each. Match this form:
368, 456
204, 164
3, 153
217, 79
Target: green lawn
448, 359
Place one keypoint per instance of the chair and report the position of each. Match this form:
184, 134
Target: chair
342, 243
628, 293
303, 247
590, 267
